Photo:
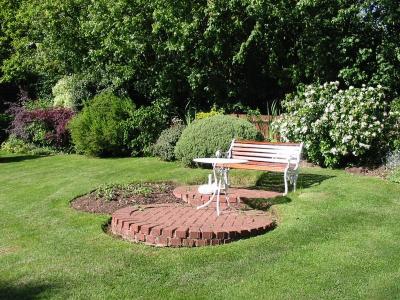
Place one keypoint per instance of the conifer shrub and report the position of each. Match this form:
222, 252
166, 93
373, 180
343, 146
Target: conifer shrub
102, 127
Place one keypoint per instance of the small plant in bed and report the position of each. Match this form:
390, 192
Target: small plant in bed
109, 197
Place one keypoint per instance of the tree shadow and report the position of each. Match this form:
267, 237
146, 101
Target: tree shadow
19, 158
26, 291
272, 181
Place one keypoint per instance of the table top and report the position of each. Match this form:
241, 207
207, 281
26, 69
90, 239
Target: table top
221, 161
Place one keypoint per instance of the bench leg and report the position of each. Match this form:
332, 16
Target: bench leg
295, 181
285, 179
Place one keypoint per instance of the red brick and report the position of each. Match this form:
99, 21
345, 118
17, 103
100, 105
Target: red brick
168, 232
181, 232
194, 233
145, 229
190, 242
175, 242
162, 240
156, 231
215, 242
140, 237
200, 243
150, 239
206, 234
220, 235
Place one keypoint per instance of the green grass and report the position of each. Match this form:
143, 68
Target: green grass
338, 237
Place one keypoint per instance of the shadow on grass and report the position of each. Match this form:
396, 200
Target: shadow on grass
106, 226
265, 204
11, 159
26, 291
271, 181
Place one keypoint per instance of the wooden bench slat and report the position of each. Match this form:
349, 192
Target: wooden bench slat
259, 152
267, 149
265, 143
262, 159
263, 154
279, 159
268, 146
270, 167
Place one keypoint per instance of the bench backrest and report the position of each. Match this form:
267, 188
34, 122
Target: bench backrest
265, 152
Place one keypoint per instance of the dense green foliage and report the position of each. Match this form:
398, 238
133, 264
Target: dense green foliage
17, 145
395, 126
165, 144
202, 138
200, 52
41, 126
146, 124
101, 128
337, 126
5, 120
213, 112
70, 91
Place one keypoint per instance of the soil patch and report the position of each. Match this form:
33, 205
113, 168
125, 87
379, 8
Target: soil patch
109, 198
368, 171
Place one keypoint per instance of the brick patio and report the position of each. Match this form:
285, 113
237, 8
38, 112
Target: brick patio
177, 225
190, 195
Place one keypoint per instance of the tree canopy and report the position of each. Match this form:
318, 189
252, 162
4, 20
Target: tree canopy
200, 52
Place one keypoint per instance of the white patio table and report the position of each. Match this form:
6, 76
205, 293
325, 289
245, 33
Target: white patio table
220, 172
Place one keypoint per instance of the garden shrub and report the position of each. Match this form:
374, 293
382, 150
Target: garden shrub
202, 138
16, 145
393, 165
102, 127
395, 121
43, 127
213, 112
19, 146
146, 124
337, 126
70, 91
165, 145
5, 120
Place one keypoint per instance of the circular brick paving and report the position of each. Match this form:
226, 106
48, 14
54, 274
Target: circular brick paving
190, 195
182, 225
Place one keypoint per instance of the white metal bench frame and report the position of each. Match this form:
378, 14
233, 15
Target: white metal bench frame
267, 156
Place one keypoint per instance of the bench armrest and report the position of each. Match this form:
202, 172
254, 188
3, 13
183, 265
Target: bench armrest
293, 160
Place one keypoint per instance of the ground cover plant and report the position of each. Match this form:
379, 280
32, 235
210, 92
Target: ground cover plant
107, 198
336, 238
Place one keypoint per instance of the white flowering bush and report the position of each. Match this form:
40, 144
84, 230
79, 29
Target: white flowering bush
337, 126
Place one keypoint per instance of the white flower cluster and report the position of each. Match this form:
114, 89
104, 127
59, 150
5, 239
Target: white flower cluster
335, 123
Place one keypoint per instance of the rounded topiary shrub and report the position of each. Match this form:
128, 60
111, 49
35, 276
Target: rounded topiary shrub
204, 137
101, 129
165, 145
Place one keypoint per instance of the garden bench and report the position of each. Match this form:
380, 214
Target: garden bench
266, 156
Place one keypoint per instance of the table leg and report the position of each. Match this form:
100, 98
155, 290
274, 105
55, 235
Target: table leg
208, 202
218, 194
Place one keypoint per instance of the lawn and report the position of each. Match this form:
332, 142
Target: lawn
337, 237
